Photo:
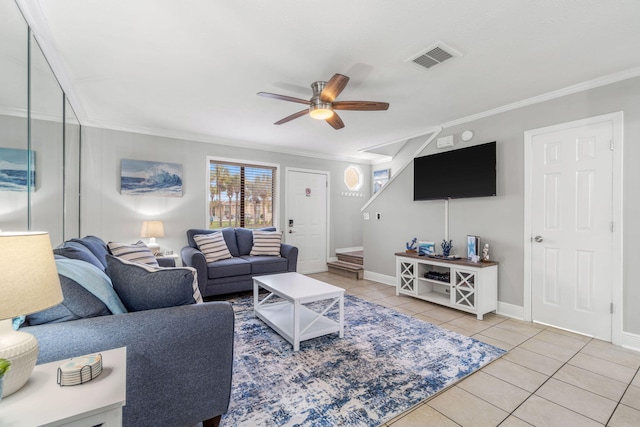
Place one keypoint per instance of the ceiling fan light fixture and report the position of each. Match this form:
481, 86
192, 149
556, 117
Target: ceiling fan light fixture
321, 111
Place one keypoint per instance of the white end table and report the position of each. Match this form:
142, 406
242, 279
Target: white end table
42, 402
290, 318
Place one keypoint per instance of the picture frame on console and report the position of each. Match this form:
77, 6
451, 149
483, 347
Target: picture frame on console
473, 245
426, 248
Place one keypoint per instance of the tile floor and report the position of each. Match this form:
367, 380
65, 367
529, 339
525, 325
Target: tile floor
549, 377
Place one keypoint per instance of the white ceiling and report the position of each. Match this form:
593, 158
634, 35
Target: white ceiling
192, 68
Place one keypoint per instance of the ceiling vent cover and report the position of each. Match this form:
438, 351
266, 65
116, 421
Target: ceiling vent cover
434, 55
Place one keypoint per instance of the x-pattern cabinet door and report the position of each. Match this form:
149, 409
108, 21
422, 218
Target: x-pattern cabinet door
464, 289
407, 274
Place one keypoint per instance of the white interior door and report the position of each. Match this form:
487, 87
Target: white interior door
571, 228
306, 218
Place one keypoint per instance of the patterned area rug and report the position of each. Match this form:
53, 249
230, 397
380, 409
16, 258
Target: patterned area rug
386, 363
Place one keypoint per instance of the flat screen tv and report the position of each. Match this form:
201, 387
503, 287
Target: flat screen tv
455, 174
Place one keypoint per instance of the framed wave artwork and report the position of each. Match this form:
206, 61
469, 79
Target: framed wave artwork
144, 178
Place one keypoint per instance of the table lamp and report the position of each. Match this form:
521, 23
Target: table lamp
28, 283
152, 229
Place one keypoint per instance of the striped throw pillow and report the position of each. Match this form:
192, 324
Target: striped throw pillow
136, 252
212, 246
266, 243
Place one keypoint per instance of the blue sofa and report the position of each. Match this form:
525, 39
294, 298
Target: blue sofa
179, 358
235, 274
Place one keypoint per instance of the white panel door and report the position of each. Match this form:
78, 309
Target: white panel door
306, 221
571, 214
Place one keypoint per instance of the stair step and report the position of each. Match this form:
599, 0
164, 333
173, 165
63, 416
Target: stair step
346, 269
352, 257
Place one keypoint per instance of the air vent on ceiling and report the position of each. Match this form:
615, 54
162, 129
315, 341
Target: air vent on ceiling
434, 55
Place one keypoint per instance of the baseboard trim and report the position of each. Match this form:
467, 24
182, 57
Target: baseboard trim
630, 341
510, 310
382, 278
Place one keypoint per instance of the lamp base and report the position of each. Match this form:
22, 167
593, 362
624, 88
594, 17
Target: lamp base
21, 349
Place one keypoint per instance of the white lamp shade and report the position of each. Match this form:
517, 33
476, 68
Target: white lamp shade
29, 283
28, 274
153, 228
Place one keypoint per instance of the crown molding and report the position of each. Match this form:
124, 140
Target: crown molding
569, 90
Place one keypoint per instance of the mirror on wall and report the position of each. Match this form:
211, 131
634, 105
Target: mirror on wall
39, 138
71, 173
47, 146
14, 197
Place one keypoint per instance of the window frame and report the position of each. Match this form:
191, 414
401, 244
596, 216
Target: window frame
246, 163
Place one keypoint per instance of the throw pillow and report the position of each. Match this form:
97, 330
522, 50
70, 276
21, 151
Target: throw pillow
78, 303
75, 250
142, 287
266, 243
212, 246
136, 252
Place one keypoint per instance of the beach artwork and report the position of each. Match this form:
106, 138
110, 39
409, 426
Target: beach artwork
143, 178
14, 164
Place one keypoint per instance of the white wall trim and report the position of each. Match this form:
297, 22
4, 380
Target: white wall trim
579, 87
510, 310
617, 205
434, 132
381, 278
630, 341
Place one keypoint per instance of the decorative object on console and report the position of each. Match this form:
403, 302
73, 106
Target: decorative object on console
473, 243
29, 282
411, 247
446, 247
152, 229
426, 248
485, 252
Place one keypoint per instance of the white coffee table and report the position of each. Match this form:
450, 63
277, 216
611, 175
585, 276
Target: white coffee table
290, 318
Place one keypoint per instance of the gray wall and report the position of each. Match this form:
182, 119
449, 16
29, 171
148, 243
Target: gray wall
112, 216
499, 220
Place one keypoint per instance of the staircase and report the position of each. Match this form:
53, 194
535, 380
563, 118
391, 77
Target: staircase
349, 264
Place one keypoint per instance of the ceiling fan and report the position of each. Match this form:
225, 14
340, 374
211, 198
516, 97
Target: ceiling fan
322, 104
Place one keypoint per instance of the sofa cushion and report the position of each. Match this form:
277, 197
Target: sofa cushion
228, 233
97, 246
93, 279
75, 250
78, 303
213, 246
228, 267
142, 287
244, 237
136, 252
266, 264
266, 243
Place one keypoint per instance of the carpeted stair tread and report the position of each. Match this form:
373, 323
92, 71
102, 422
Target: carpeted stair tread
346, 265
346, 269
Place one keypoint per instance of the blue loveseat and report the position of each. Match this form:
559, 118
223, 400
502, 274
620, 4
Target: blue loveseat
179, 355
235, 274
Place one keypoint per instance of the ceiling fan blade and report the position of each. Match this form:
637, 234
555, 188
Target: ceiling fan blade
360, 105
291, 117
335, 121
333, 88
284, 98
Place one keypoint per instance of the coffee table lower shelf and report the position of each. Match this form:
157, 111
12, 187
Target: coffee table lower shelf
280, 317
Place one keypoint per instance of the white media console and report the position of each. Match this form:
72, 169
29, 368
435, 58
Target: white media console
459, 284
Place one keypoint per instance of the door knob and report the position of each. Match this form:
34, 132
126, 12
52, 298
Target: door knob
291, 231
538, 239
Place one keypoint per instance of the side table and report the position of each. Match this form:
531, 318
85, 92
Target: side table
42, 402
171, 260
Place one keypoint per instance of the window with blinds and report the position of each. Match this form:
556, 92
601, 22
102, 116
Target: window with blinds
241, 194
